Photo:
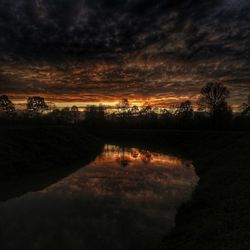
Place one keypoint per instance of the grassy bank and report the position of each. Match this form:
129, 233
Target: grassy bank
218, 215
34, 157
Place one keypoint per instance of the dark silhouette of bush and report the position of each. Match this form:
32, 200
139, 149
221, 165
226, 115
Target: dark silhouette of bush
184, 114
94, 116
6, 104
242, 121
37, 104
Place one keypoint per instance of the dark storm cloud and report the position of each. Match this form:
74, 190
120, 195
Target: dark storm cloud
82, 49
78, 28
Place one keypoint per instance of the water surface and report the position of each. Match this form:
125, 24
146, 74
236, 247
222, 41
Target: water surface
126, 199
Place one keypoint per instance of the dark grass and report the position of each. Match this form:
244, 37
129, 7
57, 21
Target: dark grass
218, 216
31, 158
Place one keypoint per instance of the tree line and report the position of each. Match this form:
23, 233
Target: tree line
213, 111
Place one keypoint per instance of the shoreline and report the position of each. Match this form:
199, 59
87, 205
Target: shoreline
35, 157
217, 216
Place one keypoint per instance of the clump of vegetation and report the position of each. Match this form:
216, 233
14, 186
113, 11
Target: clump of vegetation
6, 105
211, 112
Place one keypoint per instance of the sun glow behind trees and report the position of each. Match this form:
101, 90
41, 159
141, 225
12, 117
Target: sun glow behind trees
211, 110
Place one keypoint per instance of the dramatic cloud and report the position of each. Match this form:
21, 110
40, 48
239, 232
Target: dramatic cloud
102, 50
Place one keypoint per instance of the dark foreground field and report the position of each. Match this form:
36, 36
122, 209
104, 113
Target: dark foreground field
34, 157
218, 215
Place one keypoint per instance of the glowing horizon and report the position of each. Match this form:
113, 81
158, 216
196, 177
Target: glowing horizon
98, 52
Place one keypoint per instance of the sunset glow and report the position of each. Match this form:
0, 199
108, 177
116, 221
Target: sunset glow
164, 57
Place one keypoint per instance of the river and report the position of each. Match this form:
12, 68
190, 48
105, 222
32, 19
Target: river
126, 199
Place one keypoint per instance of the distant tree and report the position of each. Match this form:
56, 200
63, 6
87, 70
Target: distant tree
55, 115
166, 113
123, 109
242, 121
74, 109
147, 117
185, 110
124, 104
5, 104
134, 110
75, 114
245, 107
213, 99
166, 118
65, 115
223, 112
37, 104
95, 115
51, 106
146, 109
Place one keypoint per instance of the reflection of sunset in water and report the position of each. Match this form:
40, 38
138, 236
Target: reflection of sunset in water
131, 175
127, 198
136, 157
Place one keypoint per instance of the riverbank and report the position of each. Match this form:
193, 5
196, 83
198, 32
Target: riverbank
34, 157
218, 216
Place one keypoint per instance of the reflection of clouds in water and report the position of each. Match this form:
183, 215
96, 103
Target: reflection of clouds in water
101, 206
50, 221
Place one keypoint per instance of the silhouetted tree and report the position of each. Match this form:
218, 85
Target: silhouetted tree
75, 114
123, 108
95, 115
6, 104
74, 109
65, 115
167, 119
146, 109
36, 103
246, 108
242, 121
213, 99
212, 96
55, 115
223, 115
185, 110
123, 105
146, 156
134, 110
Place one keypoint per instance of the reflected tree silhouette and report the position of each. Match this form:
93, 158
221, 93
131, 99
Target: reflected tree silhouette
122, 160
146, 156
134, 153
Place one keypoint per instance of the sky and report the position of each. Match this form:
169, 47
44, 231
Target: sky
100, 51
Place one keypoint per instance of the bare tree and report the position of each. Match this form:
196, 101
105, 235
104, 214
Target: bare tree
213, 97
6, 104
